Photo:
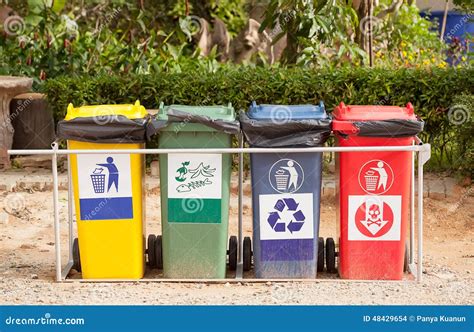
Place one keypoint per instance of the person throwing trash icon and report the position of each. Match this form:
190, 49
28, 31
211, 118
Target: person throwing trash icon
293, 181
113, 173
383, 176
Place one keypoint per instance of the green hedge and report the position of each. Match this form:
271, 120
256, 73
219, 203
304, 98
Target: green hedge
461, 146
432, 92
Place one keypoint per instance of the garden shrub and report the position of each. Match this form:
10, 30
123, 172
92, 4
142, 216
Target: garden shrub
462, 142
433, 92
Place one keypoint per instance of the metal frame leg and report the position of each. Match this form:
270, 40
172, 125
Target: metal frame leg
70, 206
419, 270
423, 156
412, 212
57, 227
240, 264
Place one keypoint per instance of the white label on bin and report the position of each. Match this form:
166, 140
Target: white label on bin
374, 218
105, 186
376, 177
194, 175
286, 217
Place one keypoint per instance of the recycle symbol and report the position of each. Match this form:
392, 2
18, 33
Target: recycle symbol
279, 225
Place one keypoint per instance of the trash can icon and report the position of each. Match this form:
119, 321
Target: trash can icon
98, 181
281, 180
371, 180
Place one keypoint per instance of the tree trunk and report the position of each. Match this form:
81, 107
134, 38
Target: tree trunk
290, 54
361, 35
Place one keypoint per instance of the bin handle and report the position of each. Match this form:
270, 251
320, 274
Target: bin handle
345, 127
418, 141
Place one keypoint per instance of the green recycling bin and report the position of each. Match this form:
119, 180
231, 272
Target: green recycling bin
195, 189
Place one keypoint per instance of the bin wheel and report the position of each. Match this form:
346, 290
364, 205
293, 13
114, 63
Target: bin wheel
320, 254
233, 253
159, 252
76, 257
247, 253
151, 250
406, 258
330, 255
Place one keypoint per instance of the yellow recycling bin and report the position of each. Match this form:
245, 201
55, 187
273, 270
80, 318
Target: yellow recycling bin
108, 189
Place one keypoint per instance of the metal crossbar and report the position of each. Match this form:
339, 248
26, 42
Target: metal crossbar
421, 150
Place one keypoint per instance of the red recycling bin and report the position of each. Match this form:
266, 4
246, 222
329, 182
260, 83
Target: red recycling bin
373, 189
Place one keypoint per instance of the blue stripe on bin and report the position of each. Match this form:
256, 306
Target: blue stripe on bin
287, 250
106, 208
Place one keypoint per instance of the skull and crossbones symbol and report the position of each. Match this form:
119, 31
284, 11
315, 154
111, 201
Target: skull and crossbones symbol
374, 215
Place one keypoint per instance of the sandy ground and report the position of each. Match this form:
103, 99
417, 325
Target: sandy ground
27, 263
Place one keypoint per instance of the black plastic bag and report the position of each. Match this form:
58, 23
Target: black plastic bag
177, 116
389, 128
291, 133
106, 129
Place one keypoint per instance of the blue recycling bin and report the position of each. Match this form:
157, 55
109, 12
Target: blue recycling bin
286, 188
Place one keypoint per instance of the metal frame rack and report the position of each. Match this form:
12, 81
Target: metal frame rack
422, 151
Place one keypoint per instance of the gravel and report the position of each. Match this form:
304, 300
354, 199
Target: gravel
27, 268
